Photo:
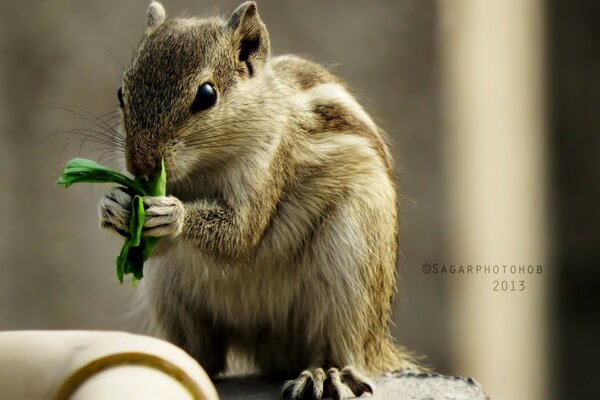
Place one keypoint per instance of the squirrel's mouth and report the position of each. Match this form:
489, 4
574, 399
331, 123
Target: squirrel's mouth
145, 165
176, 170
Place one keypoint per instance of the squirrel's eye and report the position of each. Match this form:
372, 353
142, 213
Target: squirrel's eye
120, 96
206, 97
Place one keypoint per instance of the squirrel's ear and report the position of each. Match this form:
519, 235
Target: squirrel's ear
250, 36
156, 15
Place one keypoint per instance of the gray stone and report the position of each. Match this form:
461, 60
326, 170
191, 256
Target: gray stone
392, 386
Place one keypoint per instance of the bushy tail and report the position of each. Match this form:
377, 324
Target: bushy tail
397, 358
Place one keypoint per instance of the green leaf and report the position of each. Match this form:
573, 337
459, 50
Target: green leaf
158, 185
137, 220
149, 245
154, 187
84, 170
122, 260
136, 248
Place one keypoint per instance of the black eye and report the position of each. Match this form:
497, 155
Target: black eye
205, 98
120, 97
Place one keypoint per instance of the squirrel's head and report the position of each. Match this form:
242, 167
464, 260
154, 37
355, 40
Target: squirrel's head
188, 96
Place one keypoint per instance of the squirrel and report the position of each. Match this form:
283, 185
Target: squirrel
279, 230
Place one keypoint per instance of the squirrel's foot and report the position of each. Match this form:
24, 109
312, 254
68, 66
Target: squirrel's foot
336, 384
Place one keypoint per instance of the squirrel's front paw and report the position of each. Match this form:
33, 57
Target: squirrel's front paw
164, 216
115, 211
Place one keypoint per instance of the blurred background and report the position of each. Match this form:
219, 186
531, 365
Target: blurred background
492, 108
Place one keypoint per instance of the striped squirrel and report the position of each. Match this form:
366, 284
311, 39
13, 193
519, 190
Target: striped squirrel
280, 227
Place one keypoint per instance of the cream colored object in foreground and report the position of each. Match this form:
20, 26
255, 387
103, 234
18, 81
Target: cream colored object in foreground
90, 365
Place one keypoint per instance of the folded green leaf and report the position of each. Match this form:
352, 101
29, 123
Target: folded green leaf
137, 220
136, 248
84, 170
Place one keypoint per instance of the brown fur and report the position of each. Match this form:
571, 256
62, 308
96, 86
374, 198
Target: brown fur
302, 74
332, 117
279, 231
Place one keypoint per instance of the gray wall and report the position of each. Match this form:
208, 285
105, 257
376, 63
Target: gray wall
57, 266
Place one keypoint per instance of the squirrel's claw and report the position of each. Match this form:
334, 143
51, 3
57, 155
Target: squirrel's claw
317, 384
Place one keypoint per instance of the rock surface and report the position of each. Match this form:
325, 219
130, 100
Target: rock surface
392, 386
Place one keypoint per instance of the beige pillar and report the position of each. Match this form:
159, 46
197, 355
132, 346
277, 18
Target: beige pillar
495, 151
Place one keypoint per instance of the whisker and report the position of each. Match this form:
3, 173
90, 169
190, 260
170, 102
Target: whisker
91, 118
113, 55
218, 134
91, 136
227, 146
217, 140
90, 131
211, 127
228, 136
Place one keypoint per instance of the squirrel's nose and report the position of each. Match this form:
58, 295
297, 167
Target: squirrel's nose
142, 165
